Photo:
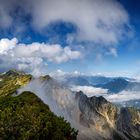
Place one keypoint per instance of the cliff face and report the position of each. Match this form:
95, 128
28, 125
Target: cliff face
128, 122
109, 121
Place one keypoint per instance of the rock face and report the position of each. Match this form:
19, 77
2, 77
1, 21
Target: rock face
108, 120
129, 123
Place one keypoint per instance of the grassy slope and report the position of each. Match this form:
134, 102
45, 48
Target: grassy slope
11, 81
26, 117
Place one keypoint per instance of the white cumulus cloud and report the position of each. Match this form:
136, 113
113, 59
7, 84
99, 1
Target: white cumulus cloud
33, 57
6, 44
54, 53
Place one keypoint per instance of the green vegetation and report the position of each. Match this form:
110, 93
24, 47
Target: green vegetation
11, 81
26, 117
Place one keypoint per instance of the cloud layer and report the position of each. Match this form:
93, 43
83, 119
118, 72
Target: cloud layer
90, 90
99, 25
124, 96
120, 97
33, 57
96, 20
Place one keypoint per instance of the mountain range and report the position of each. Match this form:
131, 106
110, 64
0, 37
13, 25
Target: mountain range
113, 84
40, 103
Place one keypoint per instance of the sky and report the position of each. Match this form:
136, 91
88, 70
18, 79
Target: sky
88, 36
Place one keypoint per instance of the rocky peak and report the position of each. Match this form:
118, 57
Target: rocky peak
14, 72
44, 78
106, 118
98, 101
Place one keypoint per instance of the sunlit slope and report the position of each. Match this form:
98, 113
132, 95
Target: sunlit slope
12, 80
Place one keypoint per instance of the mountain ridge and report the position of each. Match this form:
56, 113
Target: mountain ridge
109, 115
94, 117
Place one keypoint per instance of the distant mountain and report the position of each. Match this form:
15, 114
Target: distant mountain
83, 80
115, 86
130, 103
77, 80
94, 80
119, 84
133, 86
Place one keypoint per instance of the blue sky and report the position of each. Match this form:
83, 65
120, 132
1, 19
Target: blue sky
89, 36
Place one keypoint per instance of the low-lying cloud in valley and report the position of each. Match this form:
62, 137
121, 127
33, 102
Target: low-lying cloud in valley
90, 90
124, 96
120, 97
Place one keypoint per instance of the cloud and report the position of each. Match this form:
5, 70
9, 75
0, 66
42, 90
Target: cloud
96, 20
33, 57
99, 26
90, 90
6, 45
54, 53
121, 97
6, 19
113, 52
124, 96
